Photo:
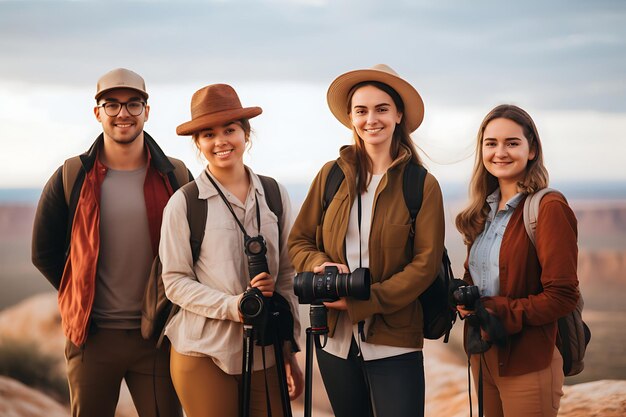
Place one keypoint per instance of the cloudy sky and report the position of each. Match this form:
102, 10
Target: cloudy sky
564, 61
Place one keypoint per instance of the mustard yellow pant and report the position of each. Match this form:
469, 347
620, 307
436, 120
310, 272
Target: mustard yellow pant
535, 394
205, 390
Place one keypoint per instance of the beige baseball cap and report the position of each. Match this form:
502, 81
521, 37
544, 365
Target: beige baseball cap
121, 78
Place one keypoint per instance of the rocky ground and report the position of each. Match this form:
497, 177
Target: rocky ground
37, 319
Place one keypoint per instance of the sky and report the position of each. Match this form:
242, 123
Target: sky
564, 61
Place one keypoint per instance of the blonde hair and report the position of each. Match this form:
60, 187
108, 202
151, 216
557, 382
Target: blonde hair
471, 221
399, 139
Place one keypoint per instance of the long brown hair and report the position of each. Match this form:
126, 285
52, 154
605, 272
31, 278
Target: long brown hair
471, 221
399, 139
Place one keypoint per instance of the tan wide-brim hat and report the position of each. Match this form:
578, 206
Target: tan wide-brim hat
121, 78
215, 105
339, 89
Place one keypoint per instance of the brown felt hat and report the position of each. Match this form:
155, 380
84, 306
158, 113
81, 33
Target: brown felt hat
339, 89
121, 78
215, 105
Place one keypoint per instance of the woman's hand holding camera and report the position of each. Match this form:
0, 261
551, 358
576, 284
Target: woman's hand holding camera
264, 283
343, 269
341, 303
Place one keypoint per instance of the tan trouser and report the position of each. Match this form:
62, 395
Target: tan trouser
534, 394
207, 391
95, 373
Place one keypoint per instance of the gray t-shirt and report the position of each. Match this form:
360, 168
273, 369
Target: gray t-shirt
125, 251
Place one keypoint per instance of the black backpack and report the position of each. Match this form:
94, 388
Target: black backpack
439, 316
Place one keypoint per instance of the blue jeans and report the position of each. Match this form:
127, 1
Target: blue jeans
396, 384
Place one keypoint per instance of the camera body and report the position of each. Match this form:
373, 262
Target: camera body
255, 249
252, 304
315, 288
467, 296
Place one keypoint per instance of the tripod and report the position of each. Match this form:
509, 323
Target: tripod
319, 326
247, 367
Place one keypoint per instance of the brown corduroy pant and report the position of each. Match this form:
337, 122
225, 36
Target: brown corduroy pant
95, 372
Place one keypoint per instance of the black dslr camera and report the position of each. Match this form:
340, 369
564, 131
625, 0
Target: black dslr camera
314, 289
252, 303
466, 295
331, 285
469, 297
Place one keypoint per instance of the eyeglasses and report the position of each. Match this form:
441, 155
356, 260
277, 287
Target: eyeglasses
113, 108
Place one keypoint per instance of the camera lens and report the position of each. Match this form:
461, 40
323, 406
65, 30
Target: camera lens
331, 285
255, 247
303, 286
251, 304
357, 284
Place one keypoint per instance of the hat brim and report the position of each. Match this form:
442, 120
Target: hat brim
337, 95
216, 119
120, 87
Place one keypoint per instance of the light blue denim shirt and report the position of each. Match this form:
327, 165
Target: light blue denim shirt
484, 258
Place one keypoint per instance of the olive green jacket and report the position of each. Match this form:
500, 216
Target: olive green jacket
399, 276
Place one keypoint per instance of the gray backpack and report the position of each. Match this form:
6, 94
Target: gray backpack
573, 333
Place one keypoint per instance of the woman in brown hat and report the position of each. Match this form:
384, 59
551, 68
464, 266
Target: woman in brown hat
372, 362
206, 334
528, 285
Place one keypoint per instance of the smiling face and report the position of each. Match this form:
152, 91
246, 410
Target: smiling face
223, 146
374, 116
124, 128
506, 151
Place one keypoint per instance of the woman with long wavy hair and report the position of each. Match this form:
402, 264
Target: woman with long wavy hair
527, 288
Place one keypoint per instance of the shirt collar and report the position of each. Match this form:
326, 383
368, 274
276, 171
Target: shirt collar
207, 190
493, 200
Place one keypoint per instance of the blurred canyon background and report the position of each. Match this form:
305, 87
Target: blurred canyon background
32, 366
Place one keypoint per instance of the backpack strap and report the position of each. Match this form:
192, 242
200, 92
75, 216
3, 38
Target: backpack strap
273, 198
180, 173
413, 191
333, 182
70, 171
531, 211
197, 210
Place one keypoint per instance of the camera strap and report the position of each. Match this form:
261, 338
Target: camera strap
230, 208
480, 385
361, 324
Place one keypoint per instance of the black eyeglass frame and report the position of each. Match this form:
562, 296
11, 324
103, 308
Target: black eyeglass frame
123, 104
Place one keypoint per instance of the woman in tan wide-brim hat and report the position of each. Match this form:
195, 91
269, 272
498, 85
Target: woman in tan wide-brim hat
372, 362
206, 334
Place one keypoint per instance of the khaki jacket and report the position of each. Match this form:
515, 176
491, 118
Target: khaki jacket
398, 276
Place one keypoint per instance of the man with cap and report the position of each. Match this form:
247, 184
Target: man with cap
95, 235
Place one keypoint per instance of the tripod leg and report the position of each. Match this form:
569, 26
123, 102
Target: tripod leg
308, 374
282, 378
248, 359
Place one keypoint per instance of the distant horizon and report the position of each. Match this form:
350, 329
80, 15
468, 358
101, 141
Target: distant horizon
452, 190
